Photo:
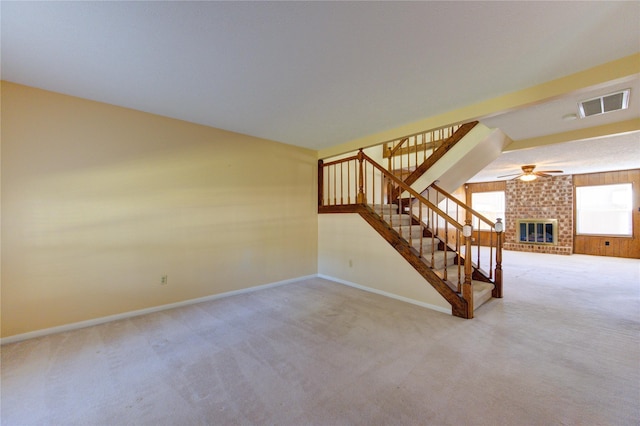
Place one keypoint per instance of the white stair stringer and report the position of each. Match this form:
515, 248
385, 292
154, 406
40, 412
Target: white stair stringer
464, 160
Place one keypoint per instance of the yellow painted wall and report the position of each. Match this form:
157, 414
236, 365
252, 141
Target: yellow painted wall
98, 202
350, 249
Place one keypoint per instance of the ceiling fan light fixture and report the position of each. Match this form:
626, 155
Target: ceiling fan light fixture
528, 177
528, 174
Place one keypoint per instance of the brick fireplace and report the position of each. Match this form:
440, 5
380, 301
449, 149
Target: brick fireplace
545, 200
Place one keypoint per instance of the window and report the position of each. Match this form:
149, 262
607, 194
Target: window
604, 209
489, 205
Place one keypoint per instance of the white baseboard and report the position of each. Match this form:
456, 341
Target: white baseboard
386, 294
130, 314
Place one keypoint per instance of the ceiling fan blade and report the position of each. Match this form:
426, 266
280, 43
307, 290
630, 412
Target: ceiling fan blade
529, 170
545, 173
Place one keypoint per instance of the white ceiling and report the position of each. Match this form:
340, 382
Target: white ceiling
312, 74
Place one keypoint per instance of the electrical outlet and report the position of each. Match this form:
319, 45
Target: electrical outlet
163, 280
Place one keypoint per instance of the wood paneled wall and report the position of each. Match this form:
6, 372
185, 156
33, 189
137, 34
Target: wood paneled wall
617, 246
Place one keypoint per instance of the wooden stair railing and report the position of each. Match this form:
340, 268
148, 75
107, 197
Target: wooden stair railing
405, 154
418, 145
440, 142
355, 183
486, 234
410, 156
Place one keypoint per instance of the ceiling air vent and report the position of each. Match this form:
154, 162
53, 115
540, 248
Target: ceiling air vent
606, 103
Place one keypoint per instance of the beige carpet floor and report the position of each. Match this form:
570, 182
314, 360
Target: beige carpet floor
562, 348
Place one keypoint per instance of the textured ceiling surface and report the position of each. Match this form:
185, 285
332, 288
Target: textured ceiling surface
620, 152
313, 74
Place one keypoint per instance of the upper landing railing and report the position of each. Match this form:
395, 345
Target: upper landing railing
405, 154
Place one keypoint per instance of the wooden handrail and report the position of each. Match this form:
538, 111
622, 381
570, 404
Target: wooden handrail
342, 160
463, 205
393, 150
435, 136
407, 155
413, 192
495, 270
437, 155
362, 156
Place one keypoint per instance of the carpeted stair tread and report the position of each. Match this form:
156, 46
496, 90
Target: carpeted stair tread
415, 231
452, 273
481, 293
429, 244
385, 208
440, 259
397, 219
484, 268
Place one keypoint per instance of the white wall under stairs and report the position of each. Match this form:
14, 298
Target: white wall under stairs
351, 251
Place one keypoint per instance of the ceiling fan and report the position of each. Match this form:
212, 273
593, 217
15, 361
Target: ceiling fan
528, 174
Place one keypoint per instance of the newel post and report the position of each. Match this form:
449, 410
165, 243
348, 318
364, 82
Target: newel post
361, 199
467, 288
389, 182
497, 290
320, 183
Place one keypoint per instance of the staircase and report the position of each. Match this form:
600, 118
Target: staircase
432, 230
